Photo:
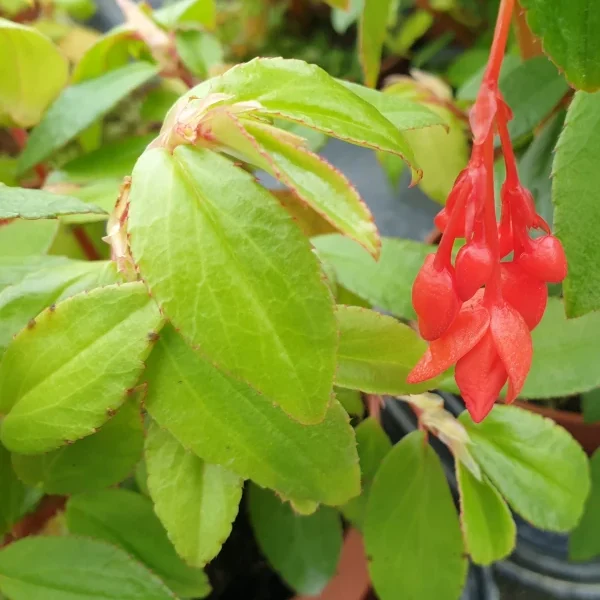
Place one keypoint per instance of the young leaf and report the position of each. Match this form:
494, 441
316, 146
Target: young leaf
386, 283
126, 519
78, 107
376, 353
488, 527
576, 179
512, 446
372, 30
24, 203
77, 569
571, 36
33, 73
26, 238
564, 357
199, 51
584, 541
61, 377
304, 550
93, 463
411, 524
187, 12
279, 334
248, 434
373, 445
197, 502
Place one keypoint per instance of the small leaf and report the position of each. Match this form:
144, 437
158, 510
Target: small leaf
279, 334
386, 283
126, 519
351, 401
304, 550
77, 569
342, 17
248, 434
576, 181
584, 541
411, 524
570, 33
376, 353
197, 502
33, 73
512, 446
488, 527
25, 203
187, 12
199, 51
49, 376
14, 269
95, 462
372, 30
78, 107
26, 238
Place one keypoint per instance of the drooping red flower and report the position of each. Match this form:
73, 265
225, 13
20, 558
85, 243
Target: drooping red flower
477, 313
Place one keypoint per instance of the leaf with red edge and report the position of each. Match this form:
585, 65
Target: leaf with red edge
463, 335
513, 342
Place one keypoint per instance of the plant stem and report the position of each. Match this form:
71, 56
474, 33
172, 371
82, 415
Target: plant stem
501, 32
86, 244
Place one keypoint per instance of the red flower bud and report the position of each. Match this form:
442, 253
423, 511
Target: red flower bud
527, 294
434, 299
473, 269
545, 259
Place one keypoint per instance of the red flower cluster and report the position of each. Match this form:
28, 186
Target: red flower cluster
478, 313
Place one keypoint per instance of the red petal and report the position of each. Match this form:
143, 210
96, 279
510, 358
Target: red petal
546, 259
514, 346
465, 332
527, 294
473, 269
480, 376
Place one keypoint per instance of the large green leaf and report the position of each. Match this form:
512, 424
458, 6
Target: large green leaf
13, 269
62, 376
68, 568
576, 181
535, 464
570, 32
303, 549
93, 463
372, 29
584, 542
564, 356
78, 107
411, 524
488, 527
266, 315
25, 203
376, 352
226, 422
187, 12
197, 502
32, 73
25, 238
127, 519
386, 283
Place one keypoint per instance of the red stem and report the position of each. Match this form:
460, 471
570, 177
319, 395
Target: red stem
86, 243
20, 136
499, 44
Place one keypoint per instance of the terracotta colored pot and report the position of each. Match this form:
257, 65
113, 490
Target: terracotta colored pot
587, 434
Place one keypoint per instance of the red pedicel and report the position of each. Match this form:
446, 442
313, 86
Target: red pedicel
545, 259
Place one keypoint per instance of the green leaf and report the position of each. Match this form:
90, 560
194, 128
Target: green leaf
339, 4
317, 183
199, 51
488, 527
101, 193
584, 541
226, 422
303, 549
127, 519
373, 446
75, 569
564, 359
317, 101
26, 299
386, 283
93, 463
16, 499
187, 12
411, 524
571, 36
342, 18
351, 400
590, 406
512, 446
33, 73
197, 502
279, 334
468, 91
13, 269
376, 353
25, 238
61, 377
25, 203
372, 30
576, 181
78, 107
